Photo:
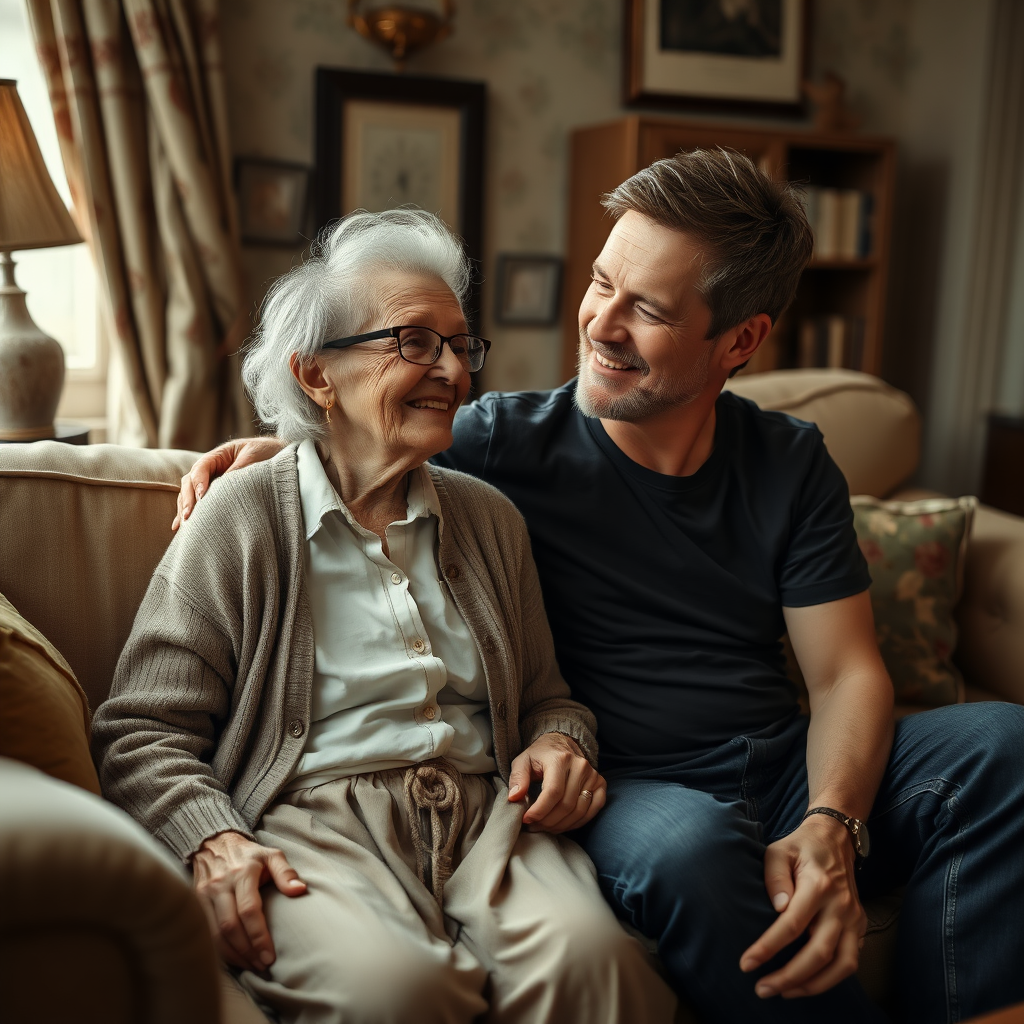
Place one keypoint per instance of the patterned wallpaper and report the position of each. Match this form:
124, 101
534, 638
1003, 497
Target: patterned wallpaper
870, 44
549, 66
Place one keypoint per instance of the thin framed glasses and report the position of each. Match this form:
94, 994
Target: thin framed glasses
423, 346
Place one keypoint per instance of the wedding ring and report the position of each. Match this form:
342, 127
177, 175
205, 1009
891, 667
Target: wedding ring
587, 794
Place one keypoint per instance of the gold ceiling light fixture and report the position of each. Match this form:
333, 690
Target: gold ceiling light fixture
402, 30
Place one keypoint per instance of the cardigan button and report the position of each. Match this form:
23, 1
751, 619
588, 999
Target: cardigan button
296, 728
499, 710
452, 572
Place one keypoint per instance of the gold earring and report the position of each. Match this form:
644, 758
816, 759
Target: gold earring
330, 402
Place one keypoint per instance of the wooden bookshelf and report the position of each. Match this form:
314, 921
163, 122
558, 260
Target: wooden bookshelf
833, 286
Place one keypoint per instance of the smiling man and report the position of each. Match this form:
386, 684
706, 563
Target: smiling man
679, 531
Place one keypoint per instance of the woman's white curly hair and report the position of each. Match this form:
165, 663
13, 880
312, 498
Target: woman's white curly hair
329, 295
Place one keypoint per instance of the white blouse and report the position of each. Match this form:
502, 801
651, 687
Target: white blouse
397, 678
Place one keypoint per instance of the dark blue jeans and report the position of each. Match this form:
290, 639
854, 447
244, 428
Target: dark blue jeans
679, 854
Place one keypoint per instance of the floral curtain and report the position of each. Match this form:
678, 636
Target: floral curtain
138, 98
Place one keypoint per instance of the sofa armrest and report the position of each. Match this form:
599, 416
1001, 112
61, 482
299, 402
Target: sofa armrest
990, 615
99, 922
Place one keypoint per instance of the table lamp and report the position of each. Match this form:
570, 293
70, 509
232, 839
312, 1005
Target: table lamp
32, 216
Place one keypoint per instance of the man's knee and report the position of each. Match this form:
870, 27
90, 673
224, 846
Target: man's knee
986, 736
1000, 727
998, 733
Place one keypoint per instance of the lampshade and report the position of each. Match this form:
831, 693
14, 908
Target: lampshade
32, 214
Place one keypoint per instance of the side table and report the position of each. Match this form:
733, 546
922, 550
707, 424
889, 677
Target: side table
63, 430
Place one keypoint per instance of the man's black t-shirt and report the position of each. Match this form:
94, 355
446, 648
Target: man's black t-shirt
664, 593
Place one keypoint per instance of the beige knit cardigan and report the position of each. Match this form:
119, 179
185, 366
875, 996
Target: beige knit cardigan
210, 703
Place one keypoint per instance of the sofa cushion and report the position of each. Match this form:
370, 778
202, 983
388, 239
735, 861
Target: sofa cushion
91, 524
916, 552
871, 430
44, 713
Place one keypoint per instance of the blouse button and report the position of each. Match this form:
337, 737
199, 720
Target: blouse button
429, 712
418, 646
396, 577
296, 728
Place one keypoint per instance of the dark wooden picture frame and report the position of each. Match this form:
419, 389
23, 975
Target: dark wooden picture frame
273, 200
529, 290
455, 150
726, 81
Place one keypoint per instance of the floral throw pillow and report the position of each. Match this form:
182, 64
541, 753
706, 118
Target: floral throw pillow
915, 551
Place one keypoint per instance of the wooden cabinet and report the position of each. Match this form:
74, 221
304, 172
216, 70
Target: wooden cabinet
835, 289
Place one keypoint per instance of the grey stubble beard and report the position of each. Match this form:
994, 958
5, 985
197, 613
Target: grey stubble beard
639, 402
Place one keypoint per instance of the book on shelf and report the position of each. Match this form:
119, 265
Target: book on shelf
834, 341
826, 229
840, 220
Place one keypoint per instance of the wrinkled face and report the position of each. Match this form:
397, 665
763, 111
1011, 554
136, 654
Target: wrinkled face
385, 407
643, 324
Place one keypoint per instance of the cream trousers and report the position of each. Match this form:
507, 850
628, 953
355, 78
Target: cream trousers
520, 934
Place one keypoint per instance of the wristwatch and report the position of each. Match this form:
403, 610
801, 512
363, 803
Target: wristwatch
858, 829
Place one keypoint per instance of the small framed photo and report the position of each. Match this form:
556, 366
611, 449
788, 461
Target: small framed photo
731, 55
273, 198
529, 290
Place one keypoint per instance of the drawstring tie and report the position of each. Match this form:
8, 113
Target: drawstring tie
434, 787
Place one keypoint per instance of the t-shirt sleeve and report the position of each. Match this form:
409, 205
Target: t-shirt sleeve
823, 561
472, 429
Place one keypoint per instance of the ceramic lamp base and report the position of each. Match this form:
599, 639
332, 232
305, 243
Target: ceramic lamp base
31, 366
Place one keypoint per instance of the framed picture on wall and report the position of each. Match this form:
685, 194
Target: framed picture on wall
529, 288
273, 199
387, 140
740, 55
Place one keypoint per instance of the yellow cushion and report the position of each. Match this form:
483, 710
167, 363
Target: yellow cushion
44, 713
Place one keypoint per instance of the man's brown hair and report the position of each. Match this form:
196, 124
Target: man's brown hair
752, 229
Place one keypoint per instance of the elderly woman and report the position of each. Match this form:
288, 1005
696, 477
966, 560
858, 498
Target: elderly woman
341, 684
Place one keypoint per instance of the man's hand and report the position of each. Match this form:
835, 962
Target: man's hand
225, 458
566, 778
809, 876
228, 871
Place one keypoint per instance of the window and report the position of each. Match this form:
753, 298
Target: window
60, 282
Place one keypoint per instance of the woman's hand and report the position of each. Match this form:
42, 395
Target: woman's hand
225, 458
227, 872
572, 792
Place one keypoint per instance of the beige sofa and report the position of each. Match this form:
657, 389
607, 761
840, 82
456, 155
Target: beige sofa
82, 529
